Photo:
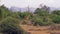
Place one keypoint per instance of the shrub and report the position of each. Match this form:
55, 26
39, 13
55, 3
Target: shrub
10, 26
56, 19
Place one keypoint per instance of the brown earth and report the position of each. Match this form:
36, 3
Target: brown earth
35, 29
38, 29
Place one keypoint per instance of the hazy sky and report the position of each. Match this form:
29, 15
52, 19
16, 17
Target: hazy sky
31, 3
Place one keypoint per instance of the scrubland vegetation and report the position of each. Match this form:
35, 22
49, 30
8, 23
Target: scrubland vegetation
10, 21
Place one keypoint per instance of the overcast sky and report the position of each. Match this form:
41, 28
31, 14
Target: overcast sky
31, 3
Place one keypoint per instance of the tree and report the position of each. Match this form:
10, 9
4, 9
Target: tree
45, 8
43, 11
43, 14
37, 11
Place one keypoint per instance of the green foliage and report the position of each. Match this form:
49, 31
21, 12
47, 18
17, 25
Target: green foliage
10, 26
41, 12
57, 12
42, 16
15, 15
39, 20
9, 22
37, 10
56, 19
23, 15
3, 12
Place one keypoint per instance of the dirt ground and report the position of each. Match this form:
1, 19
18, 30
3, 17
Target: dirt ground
39, 29
35, 29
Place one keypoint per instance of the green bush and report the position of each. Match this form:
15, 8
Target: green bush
57, 12
56, 19
10, 26
40, 20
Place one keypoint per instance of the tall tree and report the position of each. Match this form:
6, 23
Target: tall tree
42, 9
